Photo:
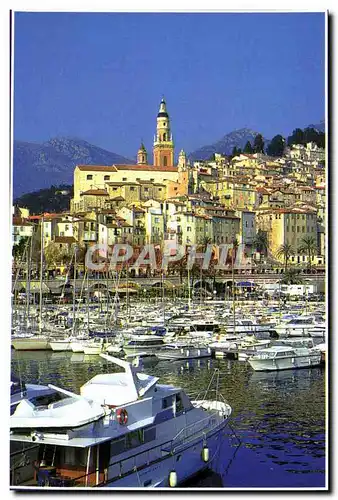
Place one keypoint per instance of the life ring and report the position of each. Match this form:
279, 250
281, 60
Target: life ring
122, 416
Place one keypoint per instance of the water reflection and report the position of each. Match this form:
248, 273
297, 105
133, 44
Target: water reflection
186, 365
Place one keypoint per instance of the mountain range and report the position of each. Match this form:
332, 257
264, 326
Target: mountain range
237, 138
37, 166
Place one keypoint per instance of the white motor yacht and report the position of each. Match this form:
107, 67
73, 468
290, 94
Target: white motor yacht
123, 430
301, 326
149, 344
249, 346
286, 355
225, 345
177, 351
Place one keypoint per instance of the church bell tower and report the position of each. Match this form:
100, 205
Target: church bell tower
163, 140
142, 157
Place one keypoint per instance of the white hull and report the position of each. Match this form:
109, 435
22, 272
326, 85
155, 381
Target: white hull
31, 344
113, 349
186, 463
242, 356
286, 363
184, 353
61, 346
77, 346
296, 331
142, 348
92, 349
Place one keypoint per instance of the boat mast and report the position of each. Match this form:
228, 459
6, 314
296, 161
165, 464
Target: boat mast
127, 293
87, 299
233, 288
28, 282
41, 274
189, 298
74, 286
163, 303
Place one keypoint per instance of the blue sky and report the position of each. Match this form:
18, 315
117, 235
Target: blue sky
101, 76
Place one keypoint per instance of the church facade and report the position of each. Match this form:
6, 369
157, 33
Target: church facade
98, 185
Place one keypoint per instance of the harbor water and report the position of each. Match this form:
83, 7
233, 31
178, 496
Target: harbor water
277, 431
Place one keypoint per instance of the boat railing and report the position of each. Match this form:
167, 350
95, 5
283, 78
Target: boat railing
123, 467
143, 458
195, 430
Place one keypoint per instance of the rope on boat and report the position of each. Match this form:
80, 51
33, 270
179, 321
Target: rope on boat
234, 434
138, 477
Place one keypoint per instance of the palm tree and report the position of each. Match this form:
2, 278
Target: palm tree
309, 247
291, 277
235, 246
261, 242
285, 251
19, 249
205, 242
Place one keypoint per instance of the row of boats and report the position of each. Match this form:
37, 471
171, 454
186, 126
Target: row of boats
269, 340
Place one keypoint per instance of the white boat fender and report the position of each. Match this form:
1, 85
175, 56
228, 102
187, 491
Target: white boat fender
173, 479
122, 416
205, 454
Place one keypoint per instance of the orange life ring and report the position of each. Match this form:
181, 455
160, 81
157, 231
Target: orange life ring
122, 416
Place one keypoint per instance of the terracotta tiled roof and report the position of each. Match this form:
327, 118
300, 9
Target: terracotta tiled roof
219, 216
122, 183
116, 168
97, 168
17, 221
95, 192
146, 168
288, 210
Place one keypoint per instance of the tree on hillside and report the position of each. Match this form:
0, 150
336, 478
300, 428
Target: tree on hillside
47, 200
313, 135
285, 251
258, 145
234, 151
297, 137
276, 146
248, 148
309, 134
